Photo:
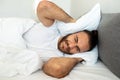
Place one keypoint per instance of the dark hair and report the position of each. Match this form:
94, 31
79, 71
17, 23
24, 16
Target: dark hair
93, 38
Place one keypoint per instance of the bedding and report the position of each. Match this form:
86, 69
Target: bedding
89, 21
90, 57
22, 62
13, 50
80, 72
12, 30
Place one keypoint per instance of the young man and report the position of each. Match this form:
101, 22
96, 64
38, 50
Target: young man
47, 38
48, 13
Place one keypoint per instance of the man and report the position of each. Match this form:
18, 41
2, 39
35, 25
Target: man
48, 38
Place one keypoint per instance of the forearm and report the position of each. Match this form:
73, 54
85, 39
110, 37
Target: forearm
48, 12
60, 67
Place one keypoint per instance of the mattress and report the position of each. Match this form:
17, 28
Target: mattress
80, 72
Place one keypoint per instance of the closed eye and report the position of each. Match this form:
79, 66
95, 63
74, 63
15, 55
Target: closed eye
76, 39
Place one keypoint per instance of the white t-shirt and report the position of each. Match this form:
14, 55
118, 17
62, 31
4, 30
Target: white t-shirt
44, 40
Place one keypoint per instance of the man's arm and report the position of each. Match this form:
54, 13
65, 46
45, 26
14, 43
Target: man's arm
60, 66
48, 12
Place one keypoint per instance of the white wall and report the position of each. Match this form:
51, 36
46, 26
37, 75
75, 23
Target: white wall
76, 8
24, 8
64, 4
16, 8
80, 7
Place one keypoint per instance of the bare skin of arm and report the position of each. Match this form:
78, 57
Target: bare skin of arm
59, 67
47, 13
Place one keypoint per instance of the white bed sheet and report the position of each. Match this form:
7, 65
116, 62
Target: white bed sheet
80, 72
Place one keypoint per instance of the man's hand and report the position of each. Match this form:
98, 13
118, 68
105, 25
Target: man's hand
60, 66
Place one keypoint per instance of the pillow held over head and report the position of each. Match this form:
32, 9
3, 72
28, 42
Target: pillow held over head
89, 21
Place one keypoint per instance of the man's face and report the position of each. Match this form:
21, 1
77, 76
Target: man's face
74, 43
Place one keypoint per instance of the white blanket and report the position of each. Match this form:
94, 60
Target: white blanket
14, 57
16, 62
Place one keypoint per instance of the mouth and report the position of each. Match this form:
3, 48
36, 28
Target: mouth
64, 46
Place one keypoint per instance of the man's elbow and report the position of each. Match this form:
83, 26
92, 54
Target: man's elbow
54, 70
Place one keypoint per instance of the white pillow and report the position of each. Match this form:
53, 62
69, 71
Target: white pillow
89, 21
12, 30
90, 57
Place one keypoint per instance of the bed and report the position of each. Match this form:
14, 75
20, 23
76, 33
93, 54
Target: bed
80, 72
104, 69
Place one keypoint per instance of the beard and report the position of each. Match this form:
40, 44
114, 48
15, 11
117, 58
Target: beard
65, 41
